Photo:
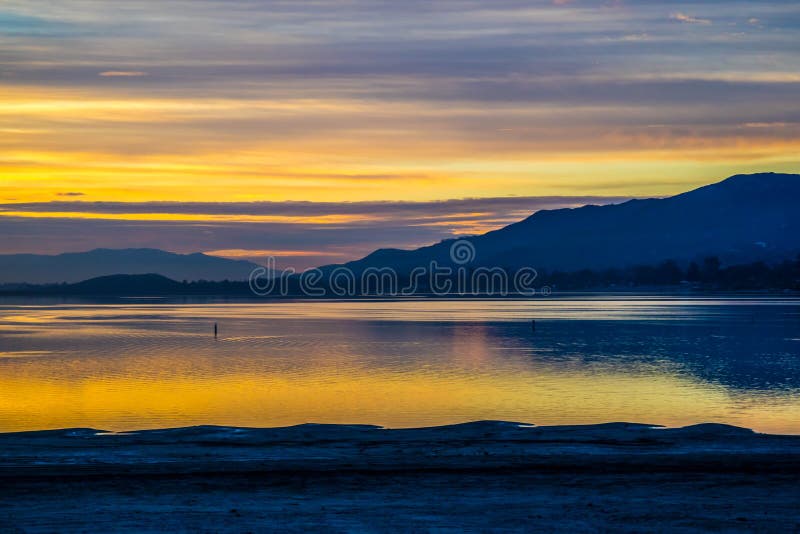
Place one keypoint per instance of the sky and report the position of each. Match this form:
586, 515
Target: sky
320, 130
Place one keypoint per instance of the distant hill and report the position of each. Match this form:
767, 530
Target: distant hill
74, 267
743, 219
126, 284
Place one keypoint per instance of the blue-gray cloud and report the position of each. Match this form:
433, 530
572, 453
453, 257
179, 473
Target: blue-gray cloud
218, 41
630, 60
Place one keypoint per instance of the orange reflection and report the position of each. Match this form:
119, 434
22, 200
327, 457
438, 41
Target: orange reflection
398, 364
413, 399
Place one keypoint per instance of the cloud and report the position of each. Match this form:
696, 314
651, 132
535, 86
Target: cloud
682, 17
70, 194
753, 21
366, 99
122, 73
509, 208
635, 37
776, 124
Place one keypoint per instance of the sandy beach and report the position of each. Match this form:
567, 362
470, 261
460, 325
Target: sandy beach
479, 476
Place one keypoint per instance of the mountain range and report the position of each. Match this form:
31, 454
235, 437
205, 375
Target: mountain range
745, 218
78, 266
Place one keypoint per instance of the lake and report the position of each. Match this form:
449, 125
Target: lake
147, 363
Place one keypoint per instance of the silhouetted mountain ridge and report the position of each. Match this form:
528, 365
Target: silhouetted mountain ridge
743, 219
78, 266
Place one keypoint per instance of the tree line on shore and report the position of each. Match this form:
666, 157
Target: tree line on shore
706, 274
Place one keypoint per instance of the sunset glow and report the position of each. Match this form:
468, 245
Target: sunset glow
251, 101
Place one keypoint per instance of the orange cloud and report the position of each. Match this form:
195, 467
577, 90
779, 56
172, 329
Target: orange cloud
122, 73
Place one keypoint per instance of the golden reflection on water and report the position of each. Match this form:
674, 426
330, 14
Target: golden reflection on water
123, 367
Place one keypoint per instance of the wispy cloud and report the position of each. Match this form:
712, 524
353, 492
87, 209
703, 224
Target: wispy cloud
122, 73
682, 17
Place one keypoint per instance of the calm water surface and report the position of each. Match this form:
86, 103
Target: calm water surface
147, 363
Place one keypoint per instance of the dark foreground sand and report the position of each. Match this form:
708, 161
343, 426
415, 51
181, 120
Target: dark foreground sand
478, 476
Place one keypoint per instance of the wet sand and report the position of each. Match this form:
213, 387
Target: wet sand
477, 476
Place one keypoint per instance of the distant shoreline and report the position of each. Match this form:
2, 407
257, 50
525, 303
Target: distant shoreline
171, 297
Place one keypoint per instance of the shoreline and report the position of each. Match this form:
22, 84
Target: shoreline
312, 447
485, 475
656, 291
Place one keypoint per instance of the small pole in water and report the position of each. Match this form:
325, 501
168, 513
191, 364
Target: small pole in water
533, 325
215, 330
